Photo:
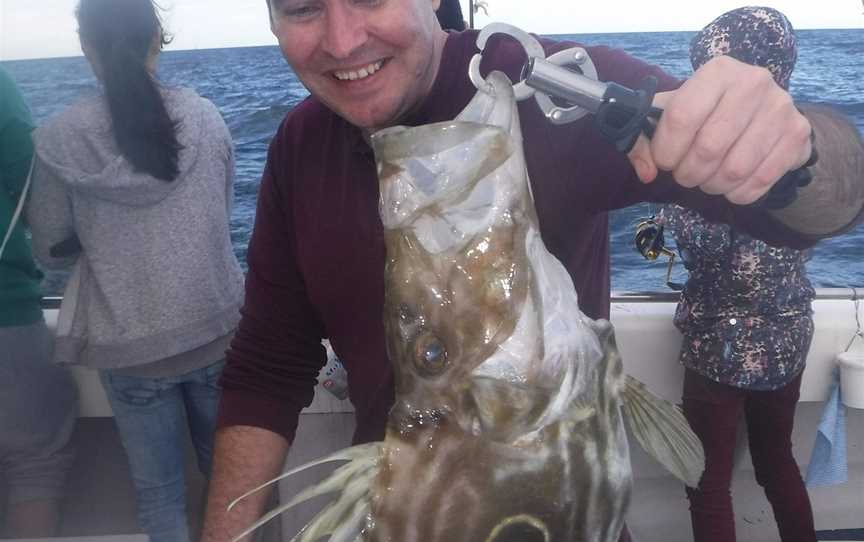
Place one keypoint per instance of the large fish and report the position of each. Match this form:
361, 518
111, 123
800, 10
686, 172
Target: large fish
507, 424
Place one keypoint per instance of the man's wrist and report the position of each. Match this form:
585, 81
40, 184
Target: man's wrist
785, 190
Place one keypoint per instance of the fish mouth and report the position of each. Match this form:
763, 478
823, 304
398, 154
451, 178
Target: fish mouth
413, 420
520, 528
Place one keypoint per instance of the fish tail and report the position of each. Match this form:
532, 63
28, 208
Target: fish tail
351, 480
663, 432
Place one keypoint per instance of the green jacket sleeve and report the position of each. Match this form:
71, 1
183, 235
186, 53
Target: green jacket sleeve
16, 146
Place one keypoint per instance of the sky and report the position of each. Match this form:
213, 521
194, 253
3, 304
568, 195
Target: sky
47, 28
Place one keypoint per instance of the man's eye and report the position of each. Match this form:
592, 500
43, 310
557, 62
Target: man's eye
299, 11
369, 4
304, 11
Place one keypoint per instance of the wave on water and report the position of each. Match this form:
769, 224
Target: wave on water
254, 89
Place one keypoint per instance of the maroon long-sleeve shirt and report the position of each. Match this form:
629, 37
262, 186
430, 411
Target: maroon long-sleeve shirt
316, 257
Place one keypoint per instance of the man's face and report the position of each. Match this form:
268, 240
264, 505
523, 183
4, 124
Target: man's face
370, 61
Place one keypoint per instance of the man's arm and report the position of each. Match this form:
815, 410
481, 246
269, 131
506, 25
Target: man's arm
272, 365
834, 201
244, 457
731, 131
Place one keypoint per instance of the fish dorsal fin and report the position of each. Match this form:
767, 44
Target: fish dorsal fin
663, 432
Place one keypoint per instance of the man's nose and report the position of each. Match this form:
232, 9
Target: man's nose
346, 31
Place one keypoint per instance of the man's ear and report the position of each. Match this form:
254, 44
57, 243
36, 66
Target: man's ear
436, 4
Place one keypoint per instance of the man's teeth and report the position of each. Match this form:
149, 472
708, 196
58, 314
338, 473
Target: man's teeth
362, 73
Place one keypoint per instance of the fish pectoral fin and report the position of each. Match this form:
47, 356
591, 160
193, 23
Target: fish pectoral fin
663, 432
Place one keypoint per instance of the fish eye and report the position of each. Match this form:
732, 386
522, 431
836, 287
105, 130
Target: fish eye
430, 356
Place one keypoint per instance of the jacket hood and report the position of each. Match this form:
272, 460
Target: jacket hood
78, 148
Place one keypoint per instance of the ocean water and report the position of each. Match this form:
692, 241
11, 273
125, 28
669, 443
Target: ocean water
254, 88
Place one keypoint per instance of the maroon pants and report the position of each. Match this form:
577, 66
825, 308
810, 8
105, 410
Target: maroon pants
625, 535
713, 411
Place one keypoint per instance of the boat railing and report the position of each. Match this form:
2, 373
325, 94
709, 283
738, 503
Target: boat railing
648, 341
822, 294
623, 296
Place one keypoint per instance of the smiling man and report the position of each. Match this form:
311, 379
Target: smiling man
316, 257
369, 61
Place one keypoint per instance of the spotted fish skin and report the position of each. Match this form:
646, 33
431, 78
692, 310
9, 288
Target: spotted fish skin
507, 425
507, 420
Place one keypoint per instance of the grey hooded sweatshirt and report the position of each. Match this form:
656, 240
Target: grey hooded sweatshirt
158, 276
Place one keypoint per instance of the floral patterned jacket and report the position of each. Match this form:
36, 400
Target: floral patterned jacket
745, 310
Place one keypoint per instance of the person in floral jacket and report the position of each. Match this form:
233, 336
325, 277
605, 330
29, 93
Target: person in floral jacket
746, 318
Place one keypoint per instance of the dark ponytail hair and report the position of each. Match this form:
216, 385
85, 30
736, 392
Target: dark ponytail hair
120, 34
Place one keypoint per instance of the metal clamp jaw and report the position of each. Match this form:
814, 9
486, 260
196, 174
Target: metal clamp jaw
570, 76
574, 58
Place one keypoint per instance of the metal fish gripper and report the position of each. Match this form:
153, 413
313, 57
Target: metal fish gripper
621, 114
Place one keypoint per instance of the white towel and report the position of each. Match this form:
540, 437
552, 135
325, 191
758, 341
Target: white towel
828, 463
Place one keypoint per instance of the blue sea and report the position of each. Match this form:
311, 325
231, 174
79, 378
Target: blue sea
254, 88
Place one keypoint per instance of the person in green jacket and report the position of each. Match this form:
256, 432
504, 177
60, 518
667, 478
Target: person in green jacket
19, 277
38, 400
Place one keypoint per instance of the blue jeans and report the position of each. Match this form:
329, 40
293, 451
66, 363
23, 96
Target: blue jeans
152, 415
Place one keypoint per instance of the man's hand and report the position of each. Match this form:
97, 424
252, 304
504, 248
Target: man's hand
729, 130
244, 458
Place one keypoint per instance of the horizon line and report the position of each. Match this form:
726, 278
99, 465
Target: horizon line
253, 46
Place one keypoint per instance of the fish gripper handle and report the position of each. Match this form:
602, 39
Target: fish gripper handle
626, 113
